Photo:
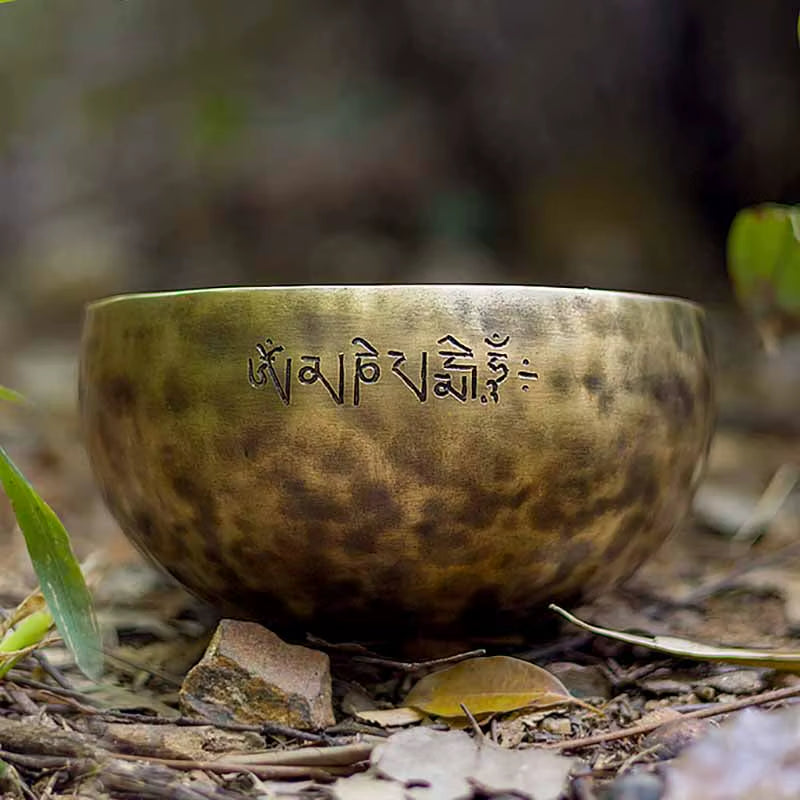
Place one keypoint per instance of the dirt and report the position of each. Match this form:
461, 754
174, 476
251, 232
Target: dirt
703, 584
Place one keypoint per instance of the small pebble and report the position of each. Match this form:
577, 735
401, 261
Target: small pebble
739, 681
661, 687
705, 693
560, 726
582, 680
654, 705
672, 737
355, 699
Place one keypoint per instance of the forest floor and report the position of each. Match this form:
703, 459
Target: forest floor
126, 736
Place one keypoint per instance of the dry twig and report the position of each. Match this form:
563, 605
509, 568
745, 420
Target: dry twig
774, 696
232, 764
418, 666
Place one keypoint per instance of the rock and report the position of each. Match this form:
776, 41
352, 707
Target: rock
738, 681
560, 726
665, 687
355, 700
250, 675
672, 737
581, 680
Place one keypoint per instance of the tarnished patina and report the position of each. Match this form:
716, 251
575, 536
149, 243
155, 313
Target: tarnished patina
380, 460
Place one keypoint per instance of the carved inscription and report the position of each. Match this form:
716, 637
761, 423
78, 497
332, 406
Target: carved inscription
454, 371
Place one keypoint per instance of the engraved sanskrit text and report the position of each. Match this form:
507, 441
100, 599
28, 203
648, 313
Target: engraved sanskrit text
452, 370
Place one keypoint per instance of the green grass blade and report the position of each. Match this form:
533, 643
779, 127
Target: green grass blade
9, 395
27, 633
60, 576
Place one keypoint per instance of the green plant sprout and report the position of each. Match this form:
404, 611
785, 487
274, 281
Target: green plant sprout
764, 265
69, 602
763, 254
27, 635
9, 395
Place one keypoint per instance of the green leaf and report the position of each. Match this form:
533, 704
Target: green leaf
59, 573
27, 633
764, 265
9, 395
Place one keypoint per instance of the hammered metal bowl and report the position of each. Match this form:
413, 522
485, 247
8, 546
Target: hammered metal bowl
379, 460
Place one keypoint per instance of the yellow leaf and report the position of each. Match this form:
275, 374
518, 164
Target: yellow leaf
787, 660
487, 686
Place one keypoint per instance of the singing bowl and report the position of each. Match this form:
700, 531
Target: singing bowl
381, 460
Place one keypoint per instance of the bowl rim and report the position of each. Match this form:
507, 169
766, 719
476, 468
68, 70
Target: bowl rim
568, 291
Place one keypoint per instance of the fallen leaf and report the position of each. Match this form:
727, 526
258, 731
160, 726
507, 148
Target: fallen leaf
487, 686
787, 660
440, 760
391, 717
367, 787
451, 765
753, 754
531, 773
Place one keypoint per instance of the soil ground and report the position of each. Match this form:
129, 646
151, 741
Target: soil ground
704, 584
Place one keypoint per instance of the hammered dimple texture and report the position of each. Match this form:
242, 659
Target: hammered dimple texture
393, 503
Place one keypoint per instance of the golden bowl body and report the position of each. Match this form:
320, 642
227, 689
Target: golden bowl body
381, 460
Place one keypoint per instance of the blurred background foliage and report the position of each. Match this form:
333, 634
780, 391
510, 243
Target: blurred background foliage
148, 145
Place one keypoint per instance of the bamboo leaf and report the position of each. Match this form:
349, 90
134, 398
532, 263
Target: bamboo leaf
28, 633
786, 660
60, 576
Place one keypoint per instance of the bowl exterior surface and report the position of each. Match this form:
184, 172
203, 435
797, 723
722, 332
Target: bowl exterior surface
356, 460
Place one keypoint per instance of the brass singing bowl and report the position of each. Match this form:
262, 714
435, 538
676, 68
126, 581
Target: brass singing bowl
380, 460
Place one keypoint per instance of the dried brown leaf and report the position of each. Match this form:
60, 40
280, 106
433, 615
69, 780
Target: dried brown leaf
487, 686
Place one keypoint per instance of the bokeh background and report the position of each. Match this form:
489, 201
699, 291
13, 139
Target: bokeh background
155, 144
148, 144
